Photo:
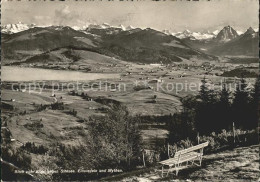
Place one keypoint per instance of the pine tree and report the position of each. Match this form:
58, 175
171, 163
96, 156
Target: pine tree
204, 91
254, 105
240, 105
205, 117
223, 109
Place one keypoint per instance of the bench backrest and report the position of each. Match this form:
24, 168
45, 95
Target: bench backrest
196, 147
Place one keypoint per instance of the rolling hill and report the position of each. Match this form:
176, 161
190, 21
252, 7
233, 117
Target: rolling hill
132, 45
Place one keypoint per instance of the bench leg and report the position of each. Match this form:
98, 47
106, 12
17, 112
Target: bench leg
162, 171
177, 171
168, 171
200, 160
192, 162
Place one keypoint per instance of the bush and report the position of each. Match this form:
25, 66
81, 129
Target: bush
31, 147
57, 106
16, 156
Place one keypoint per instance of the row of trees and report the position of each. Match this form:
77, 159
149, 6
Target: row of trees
212, 111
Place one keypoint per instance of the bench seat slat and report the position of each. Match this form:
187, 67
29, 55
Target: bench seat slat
174, 160
197, 147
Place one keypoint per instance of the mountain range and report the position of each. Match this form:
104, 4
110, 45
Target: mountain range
228, 43
15, 28
20, 41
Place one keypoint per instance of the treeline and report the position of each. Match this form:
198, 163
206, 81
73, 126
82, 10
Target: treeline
211, 111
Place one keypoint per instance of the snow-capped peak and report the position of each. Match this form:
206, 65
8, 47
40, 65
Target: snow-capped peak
216, 32
105, 25
130, 27
97, 26
186, 31
122, 27
14, 28
77, 28
194, 35
167, 32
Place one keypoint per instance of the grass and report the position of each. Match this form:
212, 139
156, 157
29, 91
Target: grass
44, 126
245, 60
241, 163
242, 72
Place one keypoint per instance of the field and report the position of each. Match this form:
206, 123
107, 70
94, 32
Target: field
153, 90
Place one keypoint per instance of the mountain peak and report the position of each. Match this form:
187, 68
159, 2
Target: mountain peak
250, 30
186, 31
14, 28
227, 34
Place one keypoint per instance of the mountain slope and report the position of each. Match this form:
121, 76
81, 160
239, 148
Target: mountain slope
44, 39
149, 46
228, 42
133, 45
226, 34
245, 44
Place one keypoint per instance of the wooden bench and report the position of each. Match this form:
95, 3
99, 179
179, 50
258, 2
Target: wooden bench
182, 158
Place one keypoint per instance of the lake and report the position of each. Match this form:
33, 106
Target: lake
13, 73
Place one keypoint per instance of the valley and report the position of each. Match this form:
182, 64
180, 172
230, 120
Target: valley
56, 80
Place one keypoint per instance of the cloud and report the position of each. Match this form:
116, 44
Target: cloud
65, 16
123, 19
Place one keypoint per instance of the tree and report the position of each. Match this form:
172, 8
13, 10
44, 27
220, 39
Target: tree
204, 91
240, 105
254, 105
115, 140
205, 120
223, 109
182, 125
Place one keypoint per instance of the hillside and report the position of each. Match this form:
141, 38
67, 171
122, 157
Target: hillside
133, 45
239, 164
149, 46
24, 44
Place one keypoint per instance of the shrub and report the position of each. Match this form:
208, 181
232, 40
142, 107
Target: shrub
57, 106
31, 147
16, 156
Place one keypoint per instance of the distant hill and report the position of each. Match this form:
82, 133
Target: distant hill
149, 46
41, 39
128, 44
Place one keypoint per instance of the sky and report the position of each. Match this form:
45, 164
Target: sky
166, 15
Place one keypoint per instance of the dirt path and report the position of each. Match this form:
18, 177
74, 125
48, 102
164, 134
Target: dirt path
238, 164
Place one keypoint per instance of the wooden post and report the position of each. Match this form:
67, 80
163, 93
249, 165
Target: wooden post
198, 138
168, 150
234, 133
143, 159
